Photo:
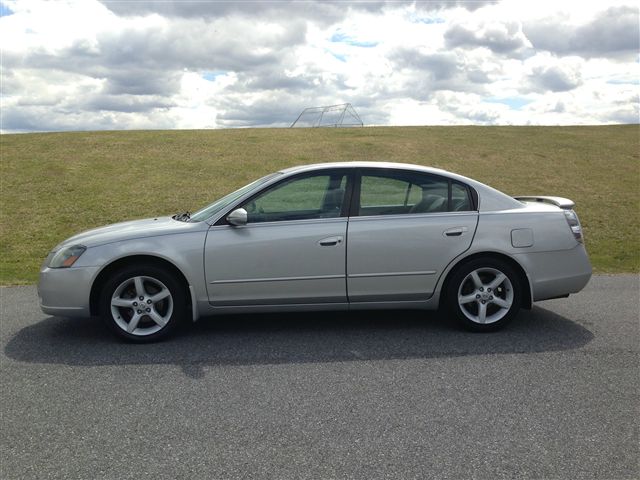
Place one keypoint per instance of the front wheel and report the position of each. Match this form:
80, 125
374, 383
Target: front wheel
484, 294
142, 303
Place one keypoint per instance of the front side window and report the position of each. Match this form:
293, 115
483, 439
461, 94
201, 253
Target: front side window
308, 197
224, 202
398, 193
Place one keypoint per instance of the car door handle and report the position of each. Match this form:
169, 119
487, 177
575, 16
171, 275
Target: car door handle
455, 232
330, 241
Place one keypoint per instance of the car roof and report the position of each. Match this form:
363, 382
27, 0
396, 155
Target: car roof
381, 165
378, 165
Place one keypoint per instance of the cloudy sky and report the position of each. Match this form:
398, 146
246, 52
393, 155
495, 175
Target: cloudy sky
90, 65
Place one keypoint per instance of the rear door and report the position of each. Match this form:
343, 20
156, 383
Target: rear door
404, 229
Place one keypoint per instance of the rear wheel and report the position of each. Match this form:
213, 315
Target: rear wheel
484, 294
142, 303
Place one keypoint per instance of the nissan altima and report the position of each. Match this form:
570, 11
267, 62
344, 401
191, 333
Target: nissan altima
334, 236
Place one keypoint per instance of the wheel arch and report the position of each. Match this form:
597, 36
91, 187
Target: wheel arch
103, 275
527, 294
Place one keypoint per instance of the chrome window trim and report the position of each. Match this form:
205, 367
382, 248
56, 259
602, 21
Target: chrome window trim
307, 221
414, 215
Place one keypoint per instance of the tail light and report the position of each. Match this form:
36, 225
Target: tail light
574, 224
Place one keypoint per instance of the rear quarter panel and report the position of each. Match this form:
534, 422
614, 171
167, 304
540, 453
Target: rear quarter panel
556, 264
550, 231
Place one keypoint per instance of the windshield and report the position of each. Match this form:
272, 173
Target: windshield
225, 201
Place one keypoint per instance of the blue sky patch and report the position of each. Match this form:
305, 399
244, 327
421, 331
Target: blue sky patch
341, 37
4, 10
622, 81
211, 76
427, 20
514, 103
340, 57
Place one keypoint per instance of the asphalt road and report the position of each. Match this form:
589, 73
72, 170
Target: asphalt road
396, 395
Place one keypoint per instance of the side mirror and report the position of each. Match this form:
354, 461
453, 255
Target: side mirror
238, 217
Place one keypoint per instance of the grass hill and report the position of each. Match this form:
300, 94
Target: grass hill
57, 184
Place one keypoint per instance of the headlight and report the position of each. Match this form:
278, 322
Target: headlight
67, 256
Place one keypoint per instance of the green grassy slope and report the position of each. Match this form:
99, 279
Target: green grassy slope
54, 185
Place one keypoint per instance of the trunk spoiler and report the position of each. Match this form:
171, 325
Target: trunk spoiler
563, 203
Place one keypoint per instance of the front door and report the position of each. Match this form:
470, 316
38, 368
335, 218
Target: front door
291, 251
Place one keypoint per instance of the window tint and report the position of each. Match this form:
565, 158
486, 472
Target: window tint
379, 191
435, 197
227, 200
397, 193
309, 197
460, 201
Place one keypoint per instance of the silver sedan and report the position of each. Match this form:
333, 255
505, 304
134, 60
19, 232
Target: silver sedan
336, 236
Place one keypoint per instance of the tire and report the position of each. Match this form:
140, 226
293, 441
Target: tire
484, 294
143, 303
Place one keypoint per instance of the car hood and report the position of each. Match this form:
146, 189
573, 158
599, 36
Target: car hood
117, 232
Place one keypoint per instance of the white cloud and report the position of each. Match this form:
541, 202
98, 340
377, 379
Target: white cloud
547, 73
83, 64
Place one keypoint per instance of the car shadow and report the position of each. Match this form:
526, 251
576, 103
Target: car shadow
294, 338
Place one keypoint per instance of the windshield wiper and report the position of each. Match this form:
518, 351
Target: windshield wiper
182, 217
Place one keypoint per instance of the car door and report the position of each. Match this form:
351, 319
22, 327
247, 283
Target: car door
292, 249
404, 229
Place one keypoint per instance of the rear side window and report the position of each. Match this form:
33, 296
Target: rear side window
398, 193
380, 191
460, 199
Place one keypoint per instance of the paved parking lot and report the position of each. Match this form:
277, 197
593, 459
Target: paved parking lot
367, 396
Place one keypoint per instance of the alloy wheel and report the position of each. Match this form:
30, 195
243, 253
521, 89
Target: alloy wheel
141, 305
485, 295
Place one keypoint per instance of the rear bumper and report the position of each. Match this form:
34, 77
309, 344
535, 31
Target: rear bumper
558, 273
65, 291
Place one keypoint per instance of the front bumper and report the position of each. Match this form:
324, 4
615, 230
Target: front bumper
65, 291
